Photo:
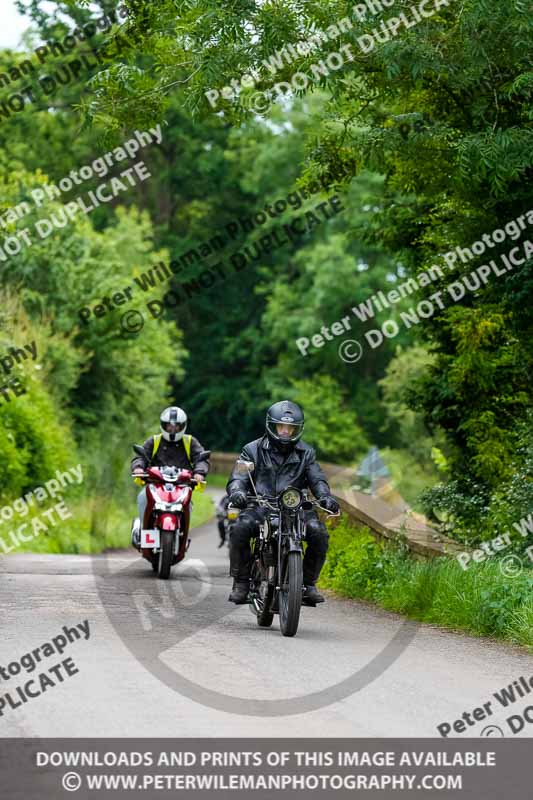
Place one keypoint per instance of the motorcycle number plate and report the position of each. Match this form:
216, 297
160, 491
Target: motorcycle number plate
149, 538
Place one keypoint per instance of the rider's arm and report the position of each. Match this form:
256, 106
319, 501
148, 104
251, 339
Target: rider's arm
239, 482
316, 478
200, 466
138, 462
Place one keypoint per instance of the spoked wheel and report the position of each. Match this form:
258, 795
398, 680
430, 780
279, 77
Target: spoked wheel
166, 554
261, 598
290, 595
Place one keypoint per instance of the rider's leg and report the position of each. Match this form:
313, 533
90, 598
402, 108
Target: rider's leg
317, 546
138, 523
142, 502
242, 530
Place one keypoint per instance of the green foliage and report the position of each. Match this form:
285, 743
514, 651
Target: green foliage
90, 383
412, 464
409, 476
473, 512
78, 534
443, 112
104, 374
433, 132
330, 425
406, 425
480, 600
36, 438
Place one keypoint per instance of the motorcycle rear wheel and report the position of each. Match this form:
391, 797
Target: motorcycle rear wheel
166, 555
290, 595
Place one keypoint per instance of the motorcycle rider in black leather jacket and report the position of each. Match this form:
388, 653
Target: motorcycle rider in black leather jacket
280, 459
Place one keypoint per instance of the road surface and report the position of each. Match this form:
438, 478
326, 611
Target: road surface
143, 630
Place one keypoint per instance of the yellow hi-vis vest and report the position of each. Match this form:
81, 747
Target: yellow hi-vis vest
186, 443
157, 441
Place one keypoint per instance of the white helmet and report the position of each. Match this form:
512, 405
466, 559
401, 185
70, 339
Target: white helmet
173, 423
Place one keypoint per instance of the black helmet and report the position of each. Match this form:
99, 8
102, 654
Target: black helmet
284, 412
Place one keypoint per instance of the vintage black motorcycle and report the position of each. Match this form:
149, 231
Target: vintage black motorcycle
276, 582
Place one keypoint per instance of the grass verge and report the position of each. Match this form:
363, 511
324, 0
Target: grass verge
218, 480
480, 600
95, 525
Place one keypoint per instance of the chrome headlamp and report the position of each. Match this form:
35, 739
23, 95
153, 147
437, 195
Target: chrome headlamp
291, 498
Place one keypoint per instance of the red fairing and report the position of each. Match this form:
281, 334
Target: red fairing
169, 522
154, 472
185, 495
177, 521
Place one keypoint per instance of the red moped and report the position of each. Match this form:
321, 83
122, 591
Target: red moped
162, 536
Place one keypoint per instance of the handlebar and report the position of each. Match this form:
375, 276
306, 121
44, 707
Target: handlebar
331, 513
145, 476
264, 502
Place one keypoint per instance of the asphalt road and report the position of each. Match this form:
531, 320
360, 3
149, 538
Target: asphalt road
176, 659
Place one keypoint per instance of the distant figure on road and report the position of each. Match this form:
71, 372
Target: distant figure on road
222, 519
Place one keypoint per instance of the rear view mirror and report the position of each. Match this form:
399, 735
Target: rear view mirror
244, 467
139, 449
204, 455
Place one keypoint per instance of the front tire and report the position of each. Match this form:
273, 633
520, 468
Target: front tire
290, 595
166, 555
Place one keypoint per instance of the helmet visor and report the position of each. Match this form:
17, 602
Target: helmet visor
171, 427
284, 431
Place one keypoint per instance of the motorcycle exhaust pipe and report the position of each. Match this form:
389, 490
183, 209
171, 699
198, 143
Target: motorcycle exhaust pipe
256, 604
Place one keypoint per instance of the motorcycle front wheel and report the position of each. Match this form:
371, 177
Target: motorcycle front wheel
290, 594
166, 554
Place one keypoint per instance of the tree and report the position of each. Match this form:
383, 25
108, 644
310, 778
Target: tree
330, 425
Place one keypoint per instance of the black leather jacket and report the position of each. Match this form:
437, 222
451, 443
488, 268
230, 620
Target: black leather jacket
300, 469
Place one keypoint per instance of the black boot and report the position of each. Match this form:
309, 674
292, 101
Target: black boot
239, 593
311, 596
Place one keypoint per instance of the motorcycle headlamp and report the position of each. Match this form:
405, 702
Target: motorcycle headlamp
291, 498
168, 507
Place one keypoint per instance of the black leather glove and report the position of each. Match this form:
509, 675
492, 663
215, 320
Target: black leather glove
329, 503
238, 499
